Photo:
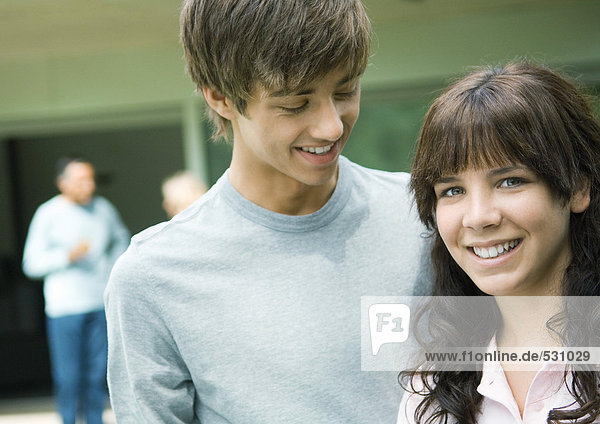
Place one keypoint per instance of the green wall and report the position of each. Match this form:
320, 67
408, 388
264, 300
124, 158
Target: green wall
560, 33
404, 53
99, 84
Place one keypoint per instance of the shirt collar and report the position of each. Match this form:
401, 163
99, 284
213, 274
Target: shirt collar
547, 383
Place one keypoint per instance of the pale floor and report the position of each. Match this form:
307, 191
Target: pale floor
35, 410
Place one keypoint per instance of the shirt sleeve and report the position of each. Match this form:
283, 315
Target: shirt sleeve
425, 276
148, 380
39, 257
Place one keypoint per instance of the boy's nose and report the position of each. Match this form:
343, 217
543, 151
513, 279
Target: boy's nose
328, 125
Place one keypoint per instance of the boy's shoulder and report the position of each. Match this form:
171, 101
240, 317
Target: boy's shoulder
376, 178
386, 193
203, 219
155, 246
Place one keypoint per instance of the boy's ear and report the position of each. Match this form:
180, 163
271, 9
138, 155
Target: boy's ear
219, 103
581, 198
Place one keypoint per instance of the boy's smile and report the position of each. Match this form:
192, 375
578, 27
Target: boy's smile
320, 154
287, 144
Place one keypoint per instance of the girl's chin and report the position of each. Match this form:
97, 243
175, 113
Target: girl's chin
497, 290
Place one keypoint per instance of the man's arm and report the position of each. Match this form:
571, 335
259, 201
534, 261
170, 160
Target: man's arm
147, 378
39, 259
120, 233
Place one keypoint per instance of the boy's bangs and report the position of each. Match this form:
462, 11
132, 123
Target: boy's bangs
335, 38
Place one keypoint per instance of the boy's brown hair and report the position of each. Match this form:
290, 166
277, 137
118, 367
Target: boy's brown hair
233, 46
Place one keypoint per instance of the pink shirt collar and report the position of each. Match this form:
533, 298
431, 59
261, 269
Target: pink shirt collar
547, 391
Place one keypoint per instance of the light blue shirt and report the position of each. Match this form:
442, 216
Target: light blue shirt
57, 227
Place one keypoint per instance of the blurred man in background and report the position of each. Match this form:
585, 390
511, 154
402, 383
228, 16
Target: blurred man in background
73, 241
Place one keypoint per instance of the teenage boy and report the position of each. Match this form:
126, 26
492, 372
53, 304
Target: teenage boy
245, 308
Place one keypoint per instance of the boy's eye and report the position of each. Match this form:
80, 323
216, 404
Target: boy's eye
348, 94
511, 182
294, 110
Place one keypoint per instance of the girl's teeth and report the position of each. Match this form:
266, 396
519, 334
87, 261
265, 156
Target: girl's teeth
495, 251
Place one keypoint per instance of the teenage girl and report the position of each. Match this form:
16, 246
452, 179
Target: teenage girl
507, 177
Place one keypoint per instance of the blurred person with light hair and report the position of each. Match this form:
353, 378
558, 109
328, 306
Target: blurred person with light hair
179, 191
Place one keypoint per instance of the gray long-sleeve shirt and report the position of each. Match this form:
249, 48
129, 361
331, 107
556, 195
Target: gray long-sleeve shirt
230, 313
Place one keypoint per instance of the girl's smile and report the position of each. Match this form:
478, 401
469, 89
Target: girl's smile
505, 228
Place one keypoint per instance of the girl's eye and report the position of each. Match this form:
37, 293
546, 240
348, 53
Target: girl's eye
511, 182
451, 192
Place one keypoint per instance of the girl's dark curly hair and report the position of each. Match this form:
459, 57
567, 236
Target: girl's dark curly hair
527, 114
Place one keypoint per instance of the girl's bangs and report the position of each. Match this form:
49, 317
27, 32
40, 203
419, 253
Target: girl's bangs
473, 140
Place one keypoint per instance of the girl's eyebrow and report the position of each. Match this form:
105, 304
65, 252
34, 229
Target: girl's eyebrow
504, 170
449, 179
493, 173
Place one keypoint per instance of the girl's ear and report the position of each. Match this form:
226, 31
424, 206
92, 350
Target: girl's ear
581, 198
219, 103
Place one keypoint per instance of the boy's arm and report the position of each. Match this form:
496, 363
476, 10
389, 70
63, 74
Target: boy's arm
39, 258
147, 378
425, 276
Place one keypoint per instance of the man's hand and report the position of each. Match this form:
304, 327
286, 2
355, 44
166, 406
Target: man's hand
79, 251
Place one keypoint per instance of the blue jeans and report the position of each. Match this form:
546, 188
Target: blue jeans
78, 354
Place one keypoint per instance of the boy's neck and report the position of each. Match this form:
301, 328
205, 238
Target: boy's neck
281, 195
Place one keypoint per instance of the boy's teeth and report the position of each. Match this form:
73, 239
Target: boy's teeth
495, 251
317, 150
